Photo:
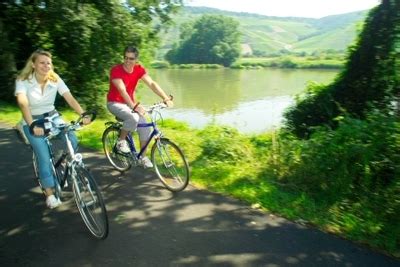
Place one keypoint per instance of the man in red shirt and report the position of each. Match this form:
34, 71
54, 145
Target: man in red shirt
121, 99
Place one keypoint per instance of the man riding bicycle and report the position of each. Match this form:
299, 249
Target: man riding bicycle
121, 99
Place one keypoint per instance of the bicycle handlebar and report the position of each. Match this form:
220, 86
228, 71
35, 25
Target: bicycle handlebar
91, 113
158, 105
47, 123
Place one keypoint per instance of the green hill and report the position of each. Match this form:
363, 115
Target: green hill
267, 35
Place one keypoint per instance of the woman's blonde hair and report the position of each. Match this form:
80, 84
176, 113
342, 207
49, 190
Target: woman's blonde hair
28, 70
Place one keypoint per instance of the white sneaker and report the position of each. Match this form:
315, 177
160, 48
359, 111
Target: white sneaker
52, 202
122, 146
145, 161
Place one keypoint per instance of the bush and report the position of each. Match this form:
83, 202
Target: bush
224, 144
160, 65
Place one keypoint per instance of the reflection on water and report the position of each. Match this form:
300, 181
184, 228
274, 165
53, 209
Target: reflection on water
249, 100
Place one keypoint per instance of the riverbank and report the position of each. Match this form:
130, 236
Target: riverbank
278, 173
282, 62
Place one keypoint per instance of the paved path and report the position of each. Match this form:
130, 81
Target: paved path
149, 226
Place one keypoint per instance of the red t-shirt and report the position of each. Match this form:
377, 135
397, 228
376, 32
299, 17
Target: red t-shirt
130, 80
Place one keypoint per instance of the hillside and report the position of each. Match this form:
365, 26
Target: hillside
267, 35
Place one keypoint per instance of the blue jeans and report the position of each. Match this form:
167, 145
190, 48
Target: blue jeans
42, 154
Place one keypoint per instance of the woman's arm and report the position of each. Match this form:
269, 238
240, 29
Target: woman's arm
75, 106
73, 103
23, 104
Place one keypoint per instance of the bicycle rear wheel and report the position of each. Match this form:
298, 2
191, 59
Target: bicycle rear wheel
170, 165
117, 159
90, 202
56, 174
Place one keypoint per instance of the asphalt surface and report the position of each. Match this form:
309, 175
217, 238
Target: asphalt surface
150, 226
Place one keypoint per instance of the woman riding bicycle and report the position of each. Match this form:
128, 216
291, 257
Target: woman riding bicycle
121, 99
36, 89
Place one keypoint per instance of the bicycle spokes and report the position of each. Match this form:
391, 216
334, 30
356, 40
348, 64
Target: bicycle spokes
170, 165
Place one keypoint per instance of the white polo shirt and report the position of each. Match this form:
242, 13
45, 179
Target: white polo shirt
40, 103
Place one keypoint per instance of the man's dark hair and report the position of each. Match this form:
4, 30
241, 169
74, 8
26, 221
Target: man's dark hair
131, 49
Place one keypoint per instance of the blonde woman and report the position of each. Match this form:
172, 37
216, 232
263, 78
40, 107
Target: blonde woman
36, 88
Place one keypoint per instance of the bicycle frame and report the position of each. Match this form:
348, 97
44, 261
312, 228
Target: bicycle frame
76, 158
131, 143
168, 160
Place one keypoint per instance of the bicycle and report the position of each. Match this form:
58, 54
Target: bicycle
69, 167
169, 162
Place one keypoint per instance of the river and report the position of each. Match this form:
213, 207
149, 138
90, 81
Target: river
253, 101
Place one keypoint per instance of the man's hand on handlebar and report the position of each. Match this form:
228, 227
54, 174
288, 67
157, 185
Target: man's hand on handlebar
140, 110
169, 101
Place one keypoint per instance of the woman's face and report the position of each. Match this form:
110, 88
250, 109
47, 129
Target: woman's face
42, 65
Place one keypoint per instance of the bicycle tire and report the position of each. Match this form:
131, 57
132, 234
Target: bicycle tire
118, 160
90, 203
170, 165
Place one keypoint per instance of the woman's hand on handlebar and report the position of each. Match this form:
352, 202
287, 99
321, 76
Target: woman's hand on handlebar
38, 131
86, 120
87, 117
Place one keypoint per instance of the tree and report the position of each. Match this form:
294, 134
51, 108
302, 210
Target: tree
85, 37
370, 79
212, 39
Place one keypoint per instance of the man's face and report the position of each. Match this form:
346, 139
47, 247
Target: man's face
130, 59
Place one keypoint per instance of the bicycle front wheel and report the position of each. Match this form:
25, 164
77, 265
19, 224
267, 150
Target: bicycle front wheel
117, 159
90, 202
170, 165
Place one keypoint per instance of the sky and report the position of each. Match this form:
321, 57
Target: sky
288, 8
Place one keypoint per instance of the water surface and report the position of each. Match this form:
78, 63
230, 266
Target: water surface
252, 101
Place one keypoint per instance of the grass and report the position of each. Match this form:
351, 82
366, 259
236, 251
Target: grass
262, 179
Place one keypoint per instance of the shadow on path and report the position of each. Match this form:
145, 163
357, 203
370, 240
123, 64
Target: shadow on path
150, 226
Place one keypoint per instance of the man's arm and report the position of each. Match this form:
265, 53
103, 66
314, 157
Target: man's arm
122, 90
157, 89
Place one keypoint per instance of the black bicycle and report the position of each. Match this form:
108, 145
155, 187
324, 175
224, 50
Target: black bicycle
70, 169
169, 162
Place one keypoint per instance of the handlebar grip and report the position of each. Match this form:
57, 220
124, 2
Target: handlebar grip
38, 123
93, 113
171, 97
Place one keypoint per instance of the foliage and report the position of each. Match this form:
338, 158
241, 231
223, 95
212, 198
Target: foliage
196, 66
266, 36
160, 65
323, 61
344, 181
224, 144
371, 76
211, 39
353, 170
85, 37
